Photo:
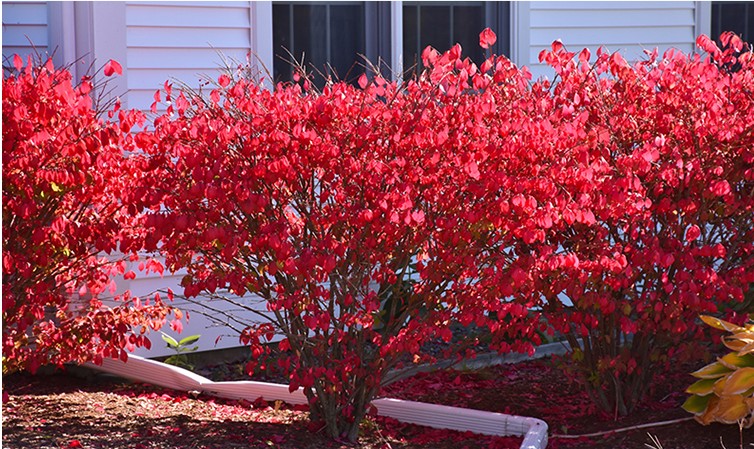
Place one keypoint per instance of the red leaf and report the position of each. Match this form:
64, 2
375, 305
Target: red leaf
487, 38
112, 67
176, 326
18, 63
693, 233
720, 188
473, 170
363, 81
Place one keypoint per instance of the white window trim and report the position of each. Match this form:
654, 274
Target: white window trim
61, 33
89, 34
703, 19
261, 37
396, 39
519, 33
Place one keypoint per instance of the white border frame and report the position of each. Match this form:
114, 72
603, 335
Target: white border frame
520, 33
702, 19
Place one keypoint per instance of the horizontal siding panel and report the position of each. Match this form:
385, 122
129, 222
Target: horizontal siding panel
25, 13
625, 27
564, 18
208, 4
183, 58
629, 52
534, 6
181, 42
20, 35
143, 98
152, 79
162, 16
25, 29
607, 36
157, 37
9, 51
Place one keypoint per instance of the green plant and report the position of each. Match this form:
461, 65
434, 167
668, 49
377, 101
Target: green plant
725, 390
181, 347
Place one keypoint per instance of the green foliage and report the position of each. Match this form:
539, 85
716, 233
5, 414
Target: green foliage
181, 347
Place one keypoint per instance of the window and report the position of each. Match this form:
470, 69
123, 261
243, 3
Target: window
333, 36
443, 24
733, 16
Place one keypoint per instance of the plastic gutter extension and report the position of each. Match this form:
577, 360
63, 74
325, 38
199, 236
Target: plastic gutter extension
140, 369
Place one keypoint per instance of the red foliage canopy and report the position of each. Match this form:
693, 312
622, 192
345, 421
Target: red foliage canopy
360, 216
668, 177
64, 173
617, 200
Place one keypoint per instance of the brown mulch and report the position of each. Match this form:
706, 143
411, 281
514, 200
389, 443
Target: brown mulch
539, 389
65, 411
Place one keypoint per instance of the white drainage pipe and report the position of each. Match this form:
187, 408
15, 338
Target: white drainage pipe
140, 369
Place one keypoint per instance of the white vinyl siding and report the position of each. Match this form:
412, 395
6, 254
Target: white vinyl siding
25, 29
627, 27
213, 335
181, 41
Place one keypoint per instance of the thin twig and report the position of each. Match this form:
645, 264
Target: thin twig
623, 429
655, 442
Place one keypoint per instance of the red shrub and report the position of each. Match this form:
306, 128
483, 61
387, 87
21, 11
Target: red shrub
358, 215
63, 174
618, 201
668, 184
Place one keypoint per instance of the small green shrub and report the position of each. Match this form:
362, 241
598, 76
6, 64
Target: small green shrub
181, 347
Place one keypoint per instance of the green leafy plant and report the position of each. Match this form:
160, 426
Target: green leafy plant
181, 347
725, 390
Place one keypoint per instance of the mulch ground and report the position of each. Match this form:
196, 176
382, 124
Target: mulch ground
66, 411
539, 389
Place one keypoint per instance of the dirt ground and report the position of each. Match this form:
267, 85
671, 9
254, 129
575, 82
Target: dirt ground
67, 411
64, 411
539, 389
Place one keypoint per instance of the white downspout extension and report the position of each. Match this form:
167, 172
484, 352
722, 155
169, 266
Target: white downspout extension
140, 369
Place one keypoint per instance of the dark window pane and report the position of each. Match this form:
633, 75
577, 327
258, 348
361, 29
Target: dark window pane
347, 41
410, 37
328, 36
468, 22
733, 16
310, 35
281, 38
434, 27
444, 25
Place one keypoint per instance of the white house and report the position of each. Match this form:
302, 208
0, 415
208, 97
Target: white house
157, 41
